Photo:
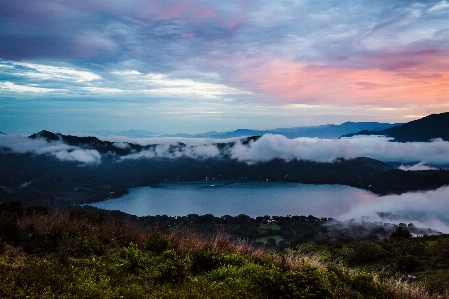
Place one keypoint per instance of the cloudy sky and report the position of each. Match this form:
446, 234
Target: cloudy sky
197, 66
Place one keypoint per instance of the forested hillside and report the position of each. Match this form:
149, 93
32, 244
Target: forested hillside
84, 255
423, 129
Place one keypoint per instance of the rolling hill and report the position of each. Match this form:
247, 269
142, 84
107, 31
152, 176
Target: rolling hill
424, 129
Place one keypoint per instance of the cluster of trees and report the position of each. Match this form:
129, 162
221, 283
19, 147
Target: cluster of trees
274, 232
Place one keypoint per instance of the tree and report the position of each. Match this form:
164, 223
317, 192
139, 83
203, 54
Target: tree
401, 232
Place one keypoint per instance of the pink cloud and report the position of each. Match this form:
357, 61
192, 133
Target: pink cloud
423, 82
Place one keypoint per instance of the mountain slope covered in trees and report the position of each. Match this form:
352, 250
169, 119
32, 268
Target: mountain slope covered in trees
424, 129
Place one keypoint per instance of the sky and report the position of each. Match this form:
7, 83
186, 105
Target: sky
197, 66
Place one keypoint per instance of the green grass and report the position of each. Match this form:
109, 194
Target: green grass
264, 239
87, 255
265, 226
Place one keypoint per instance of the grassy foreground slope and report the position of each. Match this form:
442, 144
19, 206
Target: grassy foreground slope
86, 255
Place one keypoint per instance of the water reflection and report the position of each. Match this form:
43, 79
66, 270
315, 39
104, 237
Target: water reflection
233, 198
425, 209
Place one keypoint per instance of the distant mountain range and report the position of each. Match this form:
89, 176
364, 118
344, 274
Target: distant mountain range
53, 174
323, 131
129, 133
424, 129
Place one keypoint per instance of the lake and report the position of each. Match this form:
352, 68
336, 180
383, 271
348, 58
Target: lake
234, 198
425, 209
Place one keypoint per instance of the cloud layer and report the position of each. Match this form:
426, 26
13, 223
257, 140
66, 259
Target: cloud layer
424, 209
22, 144
271, 146
266, 148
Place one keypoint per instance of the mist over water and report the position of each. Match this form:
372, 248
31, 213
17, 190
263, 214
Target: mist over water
424, 209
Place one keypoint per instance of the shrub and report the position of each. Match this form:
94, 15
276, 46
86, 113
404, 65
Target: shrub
441, 251
39, 242
407, 263
205, 260
233, 259
365, 252
135, 259
11, 231
83, 246
307, 282
364, 284
159, 243
172, 268
42, 279
401, 232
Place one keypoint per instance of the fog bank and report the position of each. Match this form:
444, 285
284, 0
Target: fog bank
22, 144
424, 209
271, 146
267, 147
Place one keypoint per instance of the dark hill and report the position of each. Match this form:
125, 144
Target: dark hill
424, 129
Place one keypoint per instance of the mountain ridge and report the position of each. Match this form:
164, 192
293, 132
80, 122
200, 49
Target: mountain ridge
321, 131
424, 129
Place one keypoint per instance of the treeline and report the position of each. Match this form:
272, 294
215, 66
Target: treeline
269, 232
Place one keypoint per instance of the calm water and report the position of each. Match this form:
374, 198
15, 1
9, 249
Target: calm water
250, 198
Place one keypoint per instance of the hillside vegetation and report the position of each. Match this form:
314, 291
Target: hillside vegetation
421, 130
82, 254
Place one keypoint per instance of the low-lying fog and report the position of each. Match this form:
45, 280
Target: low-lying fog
268, 147
424, 209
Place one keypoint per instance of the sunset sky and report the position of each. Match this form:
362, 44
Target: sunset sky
198, 66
